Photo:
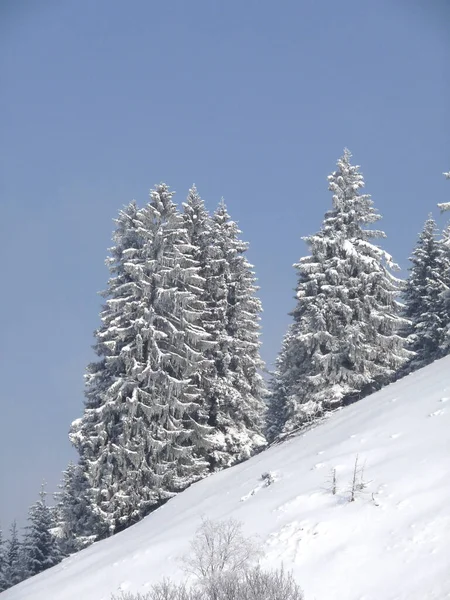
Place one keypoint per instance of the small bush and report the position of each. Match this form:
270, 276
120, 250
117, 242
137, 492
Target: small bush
222, 561
359, 483
255, 584
219, 547
268, 478
249, 584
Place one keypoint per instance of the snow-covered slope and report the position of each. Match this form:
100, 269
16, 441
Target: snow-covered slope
395, 545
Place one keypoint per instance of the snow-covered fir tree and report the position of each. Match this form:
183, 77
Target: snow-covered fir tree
14, 572
233, 387
74, 518
40, 546
285, 372
144, 432
237, 401
423, 297
3, 583
444, 299
97, 434
345, 342
198, 226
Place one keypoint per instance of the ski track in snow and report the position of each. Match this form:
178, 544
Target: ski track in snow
391, 543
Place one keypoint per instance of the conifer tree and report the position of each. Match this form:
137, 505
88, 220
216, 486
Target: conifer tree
233, 389
144, 431
177, 342
423, 297
285, 372
198, 226
345, 342
74, 519
236, 406
445, 346
3, 583
444, 299
97, 434
40, 547
14, 566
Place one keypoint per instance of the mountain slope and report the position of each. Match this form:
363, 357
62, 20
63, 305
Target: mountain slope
392, 545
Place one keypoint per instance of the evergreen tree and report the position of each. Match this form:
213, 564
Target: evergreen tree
236, 402
345, 342
74, 519
198, 226
285, 372
233, 389
444, 299
445, 346
14, 566
424, 297
40, 547
143, 433
3, 582
98, 434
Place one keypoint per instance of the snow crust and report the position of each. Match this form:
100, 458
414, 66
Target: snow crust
393, 542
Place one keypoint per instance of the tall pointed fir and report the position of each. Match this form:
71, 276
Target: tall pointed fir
344, 342
237, 403
445, 346
423, 297
233, 387
97, 434
444, 298
40, 546
198, 225
286, 371
14, 567
3, 583
144, 430
74, 519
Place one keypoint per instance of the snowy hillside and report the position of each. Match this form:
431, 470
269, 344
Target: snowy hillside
392, 545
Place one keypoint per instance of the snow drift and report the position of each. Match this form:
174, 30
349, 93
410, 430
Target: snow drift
393, 542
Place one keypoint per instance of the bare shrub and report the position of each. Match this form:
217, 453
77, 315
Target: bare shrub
268, 477
359, 483
220, 547
331, 482
249, 584
223, 561
165, 590
257, 584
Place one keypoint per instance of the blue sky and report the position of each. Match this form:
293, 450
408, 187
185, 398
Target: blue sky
252, 100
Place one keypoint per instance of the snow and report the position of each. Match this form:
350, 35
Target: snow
393, 542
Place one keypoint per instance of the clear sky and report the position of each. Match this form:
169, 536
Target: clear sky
253, 100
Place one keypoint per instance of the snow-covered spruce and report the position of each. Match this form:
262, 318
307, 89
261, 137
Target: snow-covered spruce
444, 299
74, 518
423, 297
144, 432
344, 341
3, 583
236, 397
286, 371
14, 569
40, 547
